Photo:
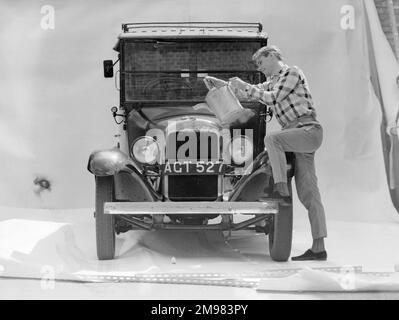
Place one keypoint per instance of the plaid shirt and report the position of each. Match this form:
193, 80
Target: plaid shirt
287, 93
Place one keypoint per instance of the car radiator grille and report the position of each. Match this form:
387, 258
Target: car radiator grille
193, 187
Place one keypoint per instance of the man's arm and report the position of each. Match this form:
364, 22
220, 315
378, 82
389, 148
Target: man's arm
243, 95
280, 91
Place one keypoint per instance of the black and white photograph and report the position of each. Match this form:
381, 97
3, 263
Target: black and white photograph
202, 153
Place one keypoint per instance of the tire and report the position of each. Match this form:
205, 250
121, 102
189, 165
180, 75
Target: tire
105, 226
280, 235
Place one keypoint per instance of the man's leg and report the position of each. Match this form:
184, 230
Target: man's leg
309, 195
304, 140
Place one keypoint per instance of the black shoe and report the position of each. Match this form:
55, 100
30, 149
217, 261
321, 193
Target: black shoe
310, 255
283, 200
275, 196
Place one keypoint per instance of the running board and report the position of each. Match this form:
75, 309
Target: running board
191, 208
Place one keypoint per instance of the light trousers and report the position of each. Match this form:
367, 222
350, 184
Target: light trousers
303, 141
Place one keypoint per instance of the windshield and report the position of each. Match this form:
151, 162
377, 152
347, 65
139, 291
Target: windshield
174, 71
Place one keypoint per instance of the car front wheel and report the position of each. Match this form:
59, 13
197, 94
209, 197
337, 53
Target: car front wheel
105, 226
280, 234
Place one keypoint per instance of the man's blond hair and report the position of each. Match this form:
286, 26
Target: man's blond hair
266, 51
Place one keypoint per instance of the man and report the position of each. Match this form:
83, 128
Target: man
287, 93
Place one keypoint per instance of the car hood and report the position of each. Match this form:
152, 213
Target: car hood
191, 122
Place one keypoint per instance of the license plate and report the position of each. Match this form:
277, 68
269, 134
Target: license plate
200, 167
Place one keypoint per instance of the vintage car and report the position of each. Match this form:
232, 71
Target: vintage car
176, 166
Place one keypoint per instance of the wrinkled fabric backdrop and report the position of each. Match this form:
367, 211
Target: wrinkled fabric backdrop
55, 103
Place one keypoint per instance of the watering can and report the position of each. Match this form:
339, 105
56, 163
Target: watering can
224, 104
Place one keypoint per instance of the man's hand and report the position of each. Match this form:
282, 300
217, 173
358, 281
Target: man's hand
215, 82
237, 83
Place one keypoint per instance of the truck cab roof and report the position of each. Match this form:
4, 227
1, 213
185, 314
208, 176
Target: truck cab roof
191, 30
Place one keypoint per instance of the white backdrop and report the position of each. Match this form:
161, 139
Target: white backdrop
54, 101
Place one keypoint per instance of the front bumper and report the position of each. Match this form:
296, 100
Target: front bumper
129, 211
191, 207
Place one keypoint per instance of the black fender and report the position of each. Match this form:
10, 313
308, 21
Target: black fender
108, 162
256, 185
129, 182
259, 182
131, 186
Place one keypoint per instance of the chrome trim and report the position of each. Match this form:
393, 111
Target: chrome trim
220, 187
166, 187
192, 207
109, 162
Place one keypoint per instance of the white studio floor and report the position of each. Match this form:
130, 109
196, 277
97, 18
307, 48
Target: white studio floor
37, 246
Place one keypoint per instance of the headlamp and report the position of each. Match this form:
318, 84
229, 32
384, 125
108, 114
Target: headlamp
145, 150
